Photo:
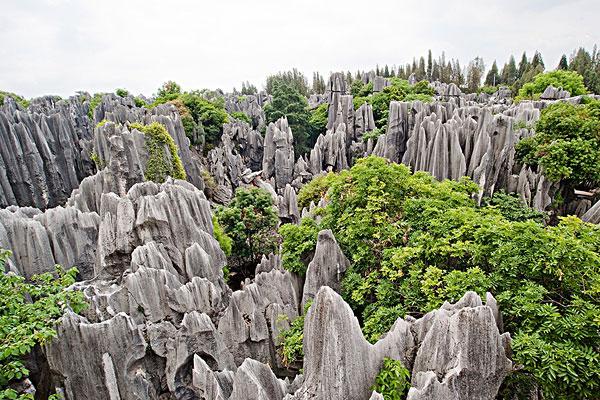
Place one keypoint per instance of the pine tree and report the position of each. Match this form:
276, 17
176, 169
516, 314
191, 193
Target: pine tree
537, 61
509, 72
421, 73
492, 78
386, 71
474, 74
523, 66
429, 65
563, 64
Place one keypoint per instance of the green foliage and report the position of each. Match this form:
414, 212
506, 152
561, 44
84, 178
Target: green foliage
298, 246
513, 209
393, 380
294, 79
566, 143
415, 242
242, 116
317, 123
210, 114
95, 157
291, 339
225, 241
122, 93
374, 134
18, 99
160, 164
488, 89
399, 90
315, 189
169, 89
251, 223
289, 102
28, 314
94, 102
568, 80
139, 102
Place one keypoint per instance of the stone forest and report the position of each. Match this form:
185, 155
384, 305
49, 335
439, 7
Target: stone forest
417, 232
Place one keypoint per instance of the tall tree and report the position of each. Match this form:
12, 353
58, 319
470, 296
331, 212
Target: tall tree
421, 73
474, 73
429, 65
537, 61
563, 64
493, 78
509, 71
523, 66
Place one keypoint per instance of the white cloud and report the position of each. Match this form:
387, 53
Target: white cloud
60, 46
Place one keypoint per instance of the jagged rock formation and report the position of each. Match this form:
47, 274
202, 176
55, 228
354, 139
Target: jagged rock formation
251, 105
552, 93
45, 151
278, 156
440, 348
326, 268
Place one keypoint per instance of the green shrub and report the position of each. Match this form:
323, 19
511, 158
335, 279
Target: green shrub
242, 116
18, 99
29, 312
566, 143
94, 102
251, 222
122, 93
415, 242
291, 340
159, 167
568, 80
513, 208
139, 102
225, 241
289, 102
393, 380
315, 189
299, 243
317, 122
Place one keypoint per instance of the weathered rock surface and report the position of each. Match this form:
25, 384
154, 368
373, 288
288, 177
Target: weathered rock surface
459, 343
278, 156
326, 268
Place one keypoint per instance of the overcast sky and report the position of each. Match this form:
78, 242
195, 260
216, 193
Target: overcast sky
61, 46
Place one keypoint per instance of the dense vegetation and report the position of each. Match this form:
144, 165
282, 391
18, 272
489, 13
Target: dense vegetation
18, 99
415, 242
250, 221
567, 80
393, 380
163, 159
566, 143
28, 314
399, 90
202, 114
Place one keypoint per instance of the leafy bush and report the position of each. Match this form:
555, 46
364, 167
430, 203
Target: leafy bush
28, 314
315, 189
393, 380
299, 243
139, 102
94, 102
225, 241
568, 80
18, 99
211, 115
160, 165
415, 242
317, 123
242, 116
122, 93
513, 209
289, 102
566, 143
251, 223
291, 340
399, 90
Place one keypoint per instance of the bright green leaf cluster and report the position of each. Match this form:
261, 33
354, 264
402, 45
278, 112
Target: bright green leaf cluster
28, 314
566, 143
163, 159
393, 380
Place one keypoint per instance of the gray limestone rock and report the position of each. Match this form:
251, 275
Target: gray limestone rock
326, 268
278, 157
255, 380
